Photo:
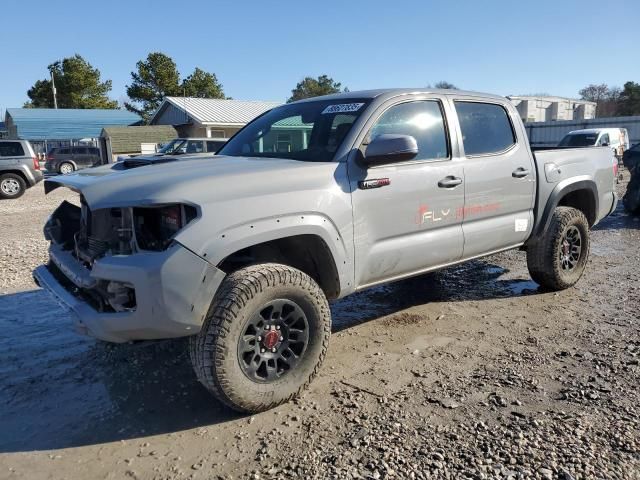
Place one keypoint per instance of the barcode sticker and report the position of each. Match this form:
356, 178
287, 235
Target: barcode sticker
343, 108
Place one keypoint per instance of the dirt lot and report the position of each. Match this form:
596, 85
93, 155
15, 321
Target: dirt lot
468, 373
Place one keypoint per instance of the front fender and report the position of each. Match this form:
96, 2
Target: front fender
238, 237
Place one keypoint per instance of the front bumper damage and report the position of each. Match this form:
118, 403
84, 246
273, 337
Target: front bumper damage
173, 291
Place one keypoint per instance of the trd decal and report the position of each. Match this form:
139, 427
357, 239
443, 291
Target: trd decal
373, 183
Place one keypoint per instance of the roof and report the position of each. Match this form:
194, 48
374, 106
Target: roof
394, 92
128, 139
592, 130
547, 98
65, 123
208, 111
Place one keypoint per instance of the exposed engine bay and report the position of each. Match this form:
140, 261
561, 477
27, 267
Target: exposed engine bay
87, 236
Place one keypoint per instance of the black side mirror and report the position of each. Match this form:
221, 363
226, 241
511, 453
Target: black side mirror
390, 148
604, 144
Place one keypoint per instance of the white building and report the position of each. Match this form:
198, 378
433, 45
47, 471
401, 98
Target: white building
548, 109
208, 117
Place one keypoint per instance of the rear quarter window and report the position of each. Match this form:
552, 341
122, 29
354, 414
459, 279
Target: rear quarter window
11, 149
485, 127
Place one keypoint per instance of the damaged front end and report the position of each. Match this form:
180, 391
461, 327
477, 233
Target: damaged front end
79, 237
122, 272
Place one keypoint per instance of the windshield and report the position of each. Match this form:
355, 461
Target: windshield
579, 140
307, 131
173, 146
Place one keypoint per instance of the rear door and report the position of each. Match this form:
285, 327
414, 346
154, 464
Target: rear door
413, 221
499, 176
81, 156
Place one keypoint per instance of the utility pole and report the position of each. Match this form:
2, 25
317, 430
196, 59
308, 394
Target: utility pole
53, 86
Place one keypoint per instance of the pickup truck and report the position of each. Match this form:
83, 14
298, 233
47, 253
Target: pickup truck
19, 168
310, 202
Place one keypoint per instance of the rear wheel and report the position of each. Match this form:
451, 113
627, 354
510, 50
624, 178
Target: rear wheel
264, 337
558, 259
66, 168
12, 186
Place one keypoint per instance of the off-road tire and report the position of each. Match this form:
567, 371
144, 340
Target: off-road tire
214, 350
543, 256
16, 181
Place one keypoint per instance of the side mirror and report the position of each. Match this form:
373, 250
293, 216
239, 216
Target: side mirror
390, 148
604, 144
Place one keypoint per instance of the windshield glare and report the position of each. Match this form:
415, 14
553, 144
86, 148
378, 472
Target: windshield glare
579, 140
308, 131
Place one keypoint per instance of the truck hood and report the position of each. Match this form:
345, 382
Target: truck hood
194, 181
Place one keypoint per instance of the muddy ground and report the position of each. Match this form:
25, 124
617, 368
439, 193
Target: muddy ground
468, 373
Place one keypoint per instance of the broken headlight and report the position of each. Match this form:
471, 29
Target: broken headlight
155, 227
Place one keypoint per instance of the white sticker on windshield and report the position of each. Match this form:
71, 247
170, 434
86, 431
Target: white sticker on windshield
343, 108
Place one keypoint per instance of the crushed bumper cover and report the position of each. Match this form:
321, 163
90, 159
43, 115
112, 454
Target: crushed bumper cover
173, 289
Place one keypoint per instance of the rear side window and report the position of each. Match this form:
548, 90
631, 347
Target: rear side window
423, 120
63, 151
486, 128
80, 150
11, 149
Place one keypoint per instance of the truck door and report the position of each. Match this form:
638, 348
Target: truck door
406, 214
499, 178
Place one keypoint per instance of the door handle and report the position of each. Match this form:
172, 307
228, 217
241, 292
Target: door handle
520, 172
449, 182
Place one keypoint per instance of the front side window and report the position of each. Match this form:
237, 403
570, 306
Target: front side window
604, 139
11, 149
307, 131
485, 127
422, 120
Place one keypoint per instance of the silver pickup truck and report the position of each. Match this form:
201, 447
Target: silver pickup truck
312, 201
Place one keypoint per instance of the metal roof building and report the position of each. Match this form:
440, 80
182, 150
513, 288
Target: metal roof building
63, 124
208, 117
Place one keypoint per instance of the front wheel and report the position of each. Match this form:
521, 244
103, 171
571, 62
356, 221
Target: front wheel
557, 260
264, 337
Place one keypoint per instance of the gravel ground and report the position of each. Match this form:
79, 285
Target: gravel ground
468, 373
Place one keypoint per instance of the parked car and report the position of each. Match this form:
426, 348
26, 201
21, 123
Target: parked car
181, 146
631, 158
66, 160
616, 138
314, 200
19, 168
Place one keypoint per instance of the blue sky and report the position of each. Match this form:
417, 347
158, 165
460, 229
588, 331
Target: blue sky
260, 49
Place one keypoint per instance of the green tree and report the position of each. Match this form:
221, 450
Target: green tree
314, 87
629, 100
154, 78
78, 85
158, 77
445, 85
202, 84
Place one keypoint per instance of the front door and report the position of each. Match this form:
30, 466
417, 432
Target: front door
499, 177
407, 215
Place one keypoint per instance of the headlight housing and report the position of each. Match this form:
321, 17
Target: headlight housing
156, 226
